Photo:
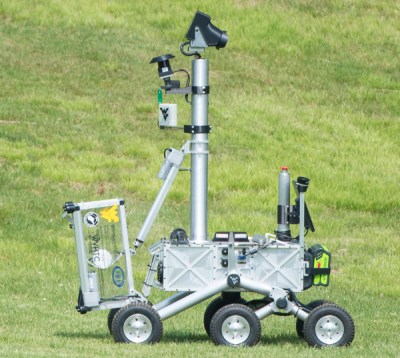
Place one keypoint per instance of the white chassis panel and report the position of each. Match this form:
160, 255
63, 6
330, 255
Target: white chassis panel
192, 267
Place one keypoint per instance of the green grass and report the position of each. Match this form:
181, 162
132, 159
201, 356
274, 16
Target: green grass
314, 85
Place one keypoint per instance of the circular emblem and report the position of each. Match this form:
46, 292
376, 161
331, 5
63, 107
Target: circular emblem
91, 219
118, 276
234, 280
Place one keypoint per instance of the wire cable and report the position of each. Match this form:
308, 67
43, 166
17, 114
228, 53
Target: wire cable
188, 53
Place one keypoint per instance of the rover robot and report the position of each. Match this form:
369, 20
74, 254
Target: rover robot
193, 266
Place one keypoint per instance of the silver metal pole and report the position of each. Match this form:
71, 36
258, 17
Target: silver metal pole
88, 280
283, 230
199, 154
192, 299
301, 225
81, 252
299, 313
264, 312
255, 286
170, 300
127, 250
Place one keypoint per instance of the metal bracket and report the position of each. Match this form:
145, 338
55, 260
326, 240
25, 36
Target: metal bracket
200, 89
281, 301
70, 207
183, 90
199, 43
187, 148
232, 269
188, 128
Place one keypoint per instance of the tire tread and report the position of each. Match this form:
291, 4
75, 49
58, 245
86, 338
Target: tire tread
138, 307
331, 309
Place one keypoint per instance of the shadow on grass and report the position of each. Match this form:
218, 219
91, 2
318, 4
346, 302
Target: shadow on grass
280, 339
84, 335
167, 337
184, 337
190, 337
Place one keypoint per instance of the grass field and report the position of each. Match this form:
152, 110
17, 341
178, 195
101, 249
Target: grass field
314, 85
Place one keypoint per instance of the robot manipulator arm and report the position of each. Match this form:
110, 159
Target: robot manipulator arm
169, 169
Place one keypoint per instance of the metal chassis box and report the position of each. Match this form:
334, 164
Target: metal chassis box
194, 266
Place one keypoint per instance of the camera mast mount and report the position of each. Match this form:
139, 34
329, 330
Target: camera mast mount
201, 34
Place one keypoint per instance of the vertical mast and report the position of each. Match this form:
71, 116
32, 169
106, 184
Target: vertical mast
199, 151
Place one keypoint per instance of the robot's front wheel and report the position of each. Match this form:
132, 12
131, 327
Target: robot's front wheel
235, 325
329, 325
137, 323
310, 306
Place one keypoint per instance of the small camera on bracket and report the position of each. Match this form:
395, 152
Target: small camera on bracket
167, 112
202, 33
165, 71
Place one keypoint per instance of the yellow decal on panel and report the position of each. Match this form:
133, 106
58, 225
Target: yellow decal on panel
110, 214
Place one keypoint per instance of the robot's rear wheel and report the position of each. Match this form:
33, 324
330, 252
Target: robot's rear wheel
137, 323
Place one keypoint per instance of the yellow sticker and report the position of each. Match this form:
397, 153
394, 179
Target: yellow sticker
110, 214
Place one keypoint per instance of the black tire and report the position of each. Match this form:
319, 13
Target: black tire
214, 306
137, 323
235, 325
310, 306
110, 317
329, 325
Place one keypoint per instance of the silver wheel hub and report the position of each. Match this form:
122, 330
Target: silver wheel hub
235, 329
137, 328
329, 329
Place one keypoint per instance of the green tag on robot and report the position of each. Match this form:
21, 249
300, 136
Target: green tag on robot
321, 265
